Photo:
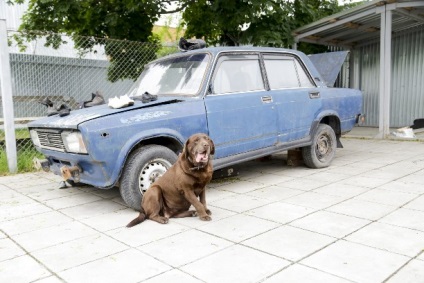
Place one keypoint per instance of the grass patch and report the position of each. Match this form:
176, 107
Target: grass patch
19, 134
25, 155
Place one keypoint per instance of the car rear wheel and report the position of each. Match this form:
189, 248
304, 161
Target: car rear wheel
323, 148
145, 165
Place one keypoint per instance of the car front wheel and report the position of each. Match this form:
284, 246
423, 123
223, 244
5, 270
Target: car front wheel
323, 148
145, 165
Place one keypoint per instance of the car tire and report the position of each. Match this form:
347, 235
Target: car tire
323, 148
143, 167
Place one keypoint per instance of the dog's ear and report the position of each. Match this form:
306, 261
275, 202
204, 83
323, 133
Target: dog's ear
212, 145
185, 149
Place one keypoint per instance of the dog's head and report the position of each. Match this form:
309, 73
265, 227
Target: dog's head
198, 149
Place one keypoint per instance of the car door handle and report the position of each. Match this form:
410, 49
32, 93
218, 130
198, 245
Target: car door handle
266, 99
314, 94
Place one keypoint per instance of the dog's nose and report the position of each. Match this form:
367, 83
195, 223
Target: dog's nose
205, 144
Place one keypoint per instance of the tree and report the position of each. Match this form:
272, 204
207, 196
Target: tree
255, 22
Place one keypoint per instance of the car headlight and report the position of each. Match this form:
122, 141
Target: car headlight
34, 138
73, 142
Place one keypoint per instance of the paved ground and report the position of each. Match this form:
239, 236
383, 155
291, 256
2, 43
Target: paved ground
361, 220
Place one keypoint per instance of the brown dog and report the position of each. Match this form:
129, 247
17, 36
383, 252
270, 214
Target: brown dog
181, 186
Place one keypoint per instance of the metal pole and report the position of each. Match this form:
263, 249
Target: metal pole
7, 101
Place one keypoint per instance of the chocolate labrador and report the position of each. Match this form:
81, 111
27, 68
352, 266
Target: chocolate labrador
182, 185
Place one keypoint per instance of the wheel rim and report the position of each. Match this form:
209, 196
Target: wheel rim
151, 172
324, 147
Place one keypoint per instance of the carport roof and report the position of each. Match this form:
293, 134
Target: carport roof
362, 24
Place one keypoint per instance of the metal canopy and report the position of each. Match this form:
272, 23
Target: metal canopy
362, 24
370, 22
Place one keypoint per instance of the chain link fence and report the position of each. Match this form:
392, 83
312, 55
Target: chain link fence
69, 72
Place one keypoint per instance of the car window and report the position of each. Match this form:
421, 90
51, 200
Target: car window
182, 75
285, 72
238, 73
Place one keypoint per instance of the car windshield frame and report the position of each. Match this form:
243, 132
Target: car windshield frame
175, 76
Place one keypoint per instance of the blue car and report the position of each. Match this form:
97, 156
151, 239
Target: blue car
252, 102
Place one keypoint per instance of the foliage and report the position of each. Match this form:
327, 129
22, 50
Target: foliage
258, 22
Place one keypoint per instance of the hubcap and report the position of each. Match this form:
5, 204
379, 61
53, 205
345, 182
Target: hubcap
324, 147
151, 172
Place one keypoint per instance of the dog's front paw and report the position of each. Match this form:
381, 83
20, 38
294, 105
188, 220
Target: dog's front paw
205, 218
208, 212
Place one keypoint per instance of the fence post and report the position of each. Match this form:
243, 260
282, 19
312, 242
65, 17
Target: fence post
7, 101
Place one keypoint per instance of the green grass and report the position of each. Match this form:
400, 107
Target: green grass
19, 134
25, 153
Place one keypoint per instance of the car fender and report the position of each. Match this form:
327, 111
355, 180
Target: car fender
136, 140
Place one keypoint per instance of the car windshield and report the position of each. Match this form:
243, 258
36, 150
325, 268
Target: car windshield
178, 76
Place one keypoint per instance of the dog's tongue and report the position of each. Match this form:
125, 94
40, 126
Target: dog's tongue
201, 157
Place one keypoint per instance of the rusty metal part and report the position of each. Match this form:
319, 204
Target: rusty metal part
41, 164
71, 172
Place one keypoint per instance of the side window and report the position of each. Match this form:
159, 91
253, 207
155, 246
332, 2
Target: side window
238, 73
285, 72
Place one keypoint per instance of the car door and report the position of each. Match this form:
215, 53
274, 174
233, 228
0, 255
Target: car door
297, 99
240, 112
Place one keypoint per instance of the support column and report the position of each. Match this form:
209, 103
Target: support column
385, 72
7, 101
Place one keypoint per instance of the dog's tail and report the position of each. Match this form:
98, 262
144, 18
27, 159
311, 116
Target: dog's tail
140, 218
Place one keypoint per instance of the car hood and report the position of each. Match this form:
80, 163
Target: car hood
79, 116
329, 65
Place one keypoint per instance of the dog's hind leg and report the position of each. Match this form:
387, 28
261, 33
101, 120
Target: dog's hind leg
153, 204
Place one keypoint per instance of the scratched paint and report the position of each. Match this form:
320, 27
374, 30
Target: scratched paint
145, 116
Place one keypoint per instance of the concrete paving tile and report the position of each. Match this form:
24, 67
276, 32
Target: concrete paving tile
350, 260
216, 194
329, 223
71, 201
239, 203
408, 218
403, 187
78, 252
22, 269
281, 212
194, 222
297, 171
15, 200
390, 238
2, 235
341, 189
327, 177
146, 232
289, 242
35, 189
238, 228
386, 197
173, 275
107, 193
34, 222
112, 220
362, 209
315, 200
242, 187
303, 184
127, 266
24, 210
27, 184
91, 209
53, 193
298, 273
365, 181
413, 272
416, 178
271, 179
185, 247
9, 249
417, 204
6, 193
235, 264
383, 173
50, 279
47, 237
274, 193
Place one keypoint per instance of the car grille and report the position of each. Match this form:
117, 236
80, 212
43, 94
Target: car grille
51, 139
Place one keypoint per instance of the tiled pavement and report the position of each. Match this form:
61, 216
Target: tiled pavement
360, 220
